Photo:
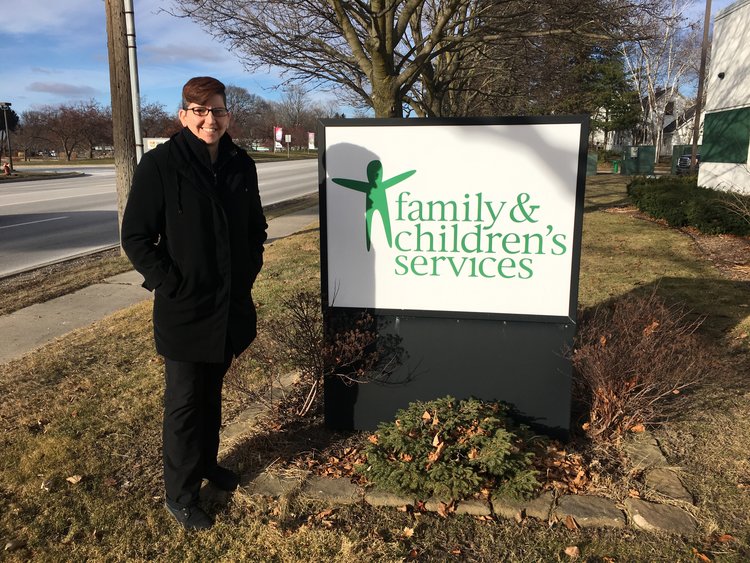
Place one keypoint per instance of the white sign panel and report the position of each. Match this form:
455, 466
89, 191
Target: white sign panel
455, 218
153, 142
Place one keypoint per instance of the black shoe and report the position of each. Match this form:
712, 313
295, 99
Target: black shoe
222, 478
190, 517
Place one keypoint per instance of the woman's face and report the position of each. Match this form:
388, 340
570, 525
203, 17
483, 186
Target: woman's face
208, 128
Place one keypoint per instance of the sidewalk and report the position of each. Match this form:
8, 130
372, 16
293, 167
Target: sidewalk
27, 329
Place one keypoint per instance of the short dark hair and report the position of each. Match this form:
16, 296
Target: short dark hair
199, 89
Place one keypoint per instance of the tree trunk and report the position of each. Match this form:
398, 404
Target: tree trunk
386, 100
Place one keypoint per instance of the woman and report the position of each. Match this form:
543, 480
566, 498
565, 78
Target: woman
194, 227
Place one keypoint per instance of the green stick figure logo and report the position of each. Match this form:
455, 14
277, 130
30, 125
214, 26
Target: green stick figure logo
374, 188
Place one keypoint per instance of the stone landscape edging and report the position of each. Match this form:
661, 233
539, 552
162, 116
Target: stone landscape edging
576, 511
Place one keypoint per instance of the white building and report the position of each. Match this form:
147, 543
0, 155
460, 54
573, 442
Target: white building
725, 154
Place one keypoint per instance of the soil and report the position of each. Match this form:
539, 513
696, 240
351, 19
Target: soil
730, 254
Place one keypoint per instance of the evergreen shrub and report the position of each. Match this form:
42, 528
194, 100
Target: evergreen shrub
449, 449
681, 202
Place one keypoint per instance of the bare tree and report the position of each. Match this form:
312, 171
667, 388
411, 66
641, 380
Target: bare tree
59, 126
293, 108
156, 121
249, 114
94, 124
388, 54
660, 65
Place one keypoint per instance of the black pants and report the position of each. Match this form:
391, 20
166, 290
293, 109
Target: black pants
192, 419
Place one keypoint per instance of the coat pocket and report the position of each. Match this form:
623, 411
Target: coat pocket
171, 283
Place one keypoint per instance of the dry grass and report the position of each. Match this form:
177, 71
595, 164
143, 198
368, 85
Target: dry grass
89, 405
42, 284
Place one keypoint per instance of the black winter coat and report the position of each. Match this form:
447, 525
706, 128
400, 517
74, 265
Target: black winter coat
196, 232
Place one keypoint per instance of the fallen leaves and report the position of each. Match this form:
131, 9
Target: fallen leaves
431, 418
434, 455
74, 479
445, 508
573, 551
650, 329
701, 556
561, 470
326, 517
336, 463
571, 524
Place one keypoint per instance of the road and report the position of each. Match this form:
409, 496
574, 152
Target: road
45, 221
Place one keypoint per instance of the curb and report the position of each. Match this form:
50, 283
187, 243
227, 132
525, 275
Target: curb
32, 178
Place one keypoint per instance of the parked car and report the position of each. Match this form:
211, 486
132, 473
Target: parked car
683, 164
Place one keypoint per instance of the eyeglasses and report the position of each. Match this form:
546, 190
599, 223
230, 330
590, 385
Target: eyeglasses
200, 111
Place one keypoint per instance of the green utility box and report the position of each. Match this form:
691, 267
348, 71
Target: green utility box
615, 167
591, 162
638, 160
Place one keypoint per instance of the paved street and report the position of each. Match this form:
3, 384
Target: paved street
45, 221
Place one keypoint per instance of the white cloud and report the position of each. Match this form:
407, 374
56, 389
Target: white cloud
62, 89
49, 18
180, 54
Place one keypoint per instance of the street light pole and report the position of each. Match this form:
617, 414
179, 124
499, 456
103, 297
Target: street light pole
5, 106
701, 84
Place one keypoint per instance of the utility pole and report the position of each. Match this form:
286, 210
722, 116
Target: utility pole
5, 106
122, 103
701, 83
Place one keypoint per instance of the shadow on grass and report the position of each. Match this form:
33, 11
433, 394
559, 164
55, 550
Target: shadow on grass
604, 191
289, 441
724, 304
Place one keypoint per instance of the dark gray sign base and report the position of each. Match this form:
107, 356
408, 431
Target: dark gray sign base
519, 362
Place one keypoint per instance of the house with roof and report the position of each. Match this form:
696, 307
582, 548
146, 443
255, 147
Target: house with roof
677, 126
725, 154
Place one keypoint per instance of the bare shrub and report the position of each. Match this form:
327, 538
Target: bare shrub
349, 348
738, 203
632, 359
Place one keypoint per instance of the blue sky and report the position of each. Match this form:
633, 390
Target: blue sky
55, 51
